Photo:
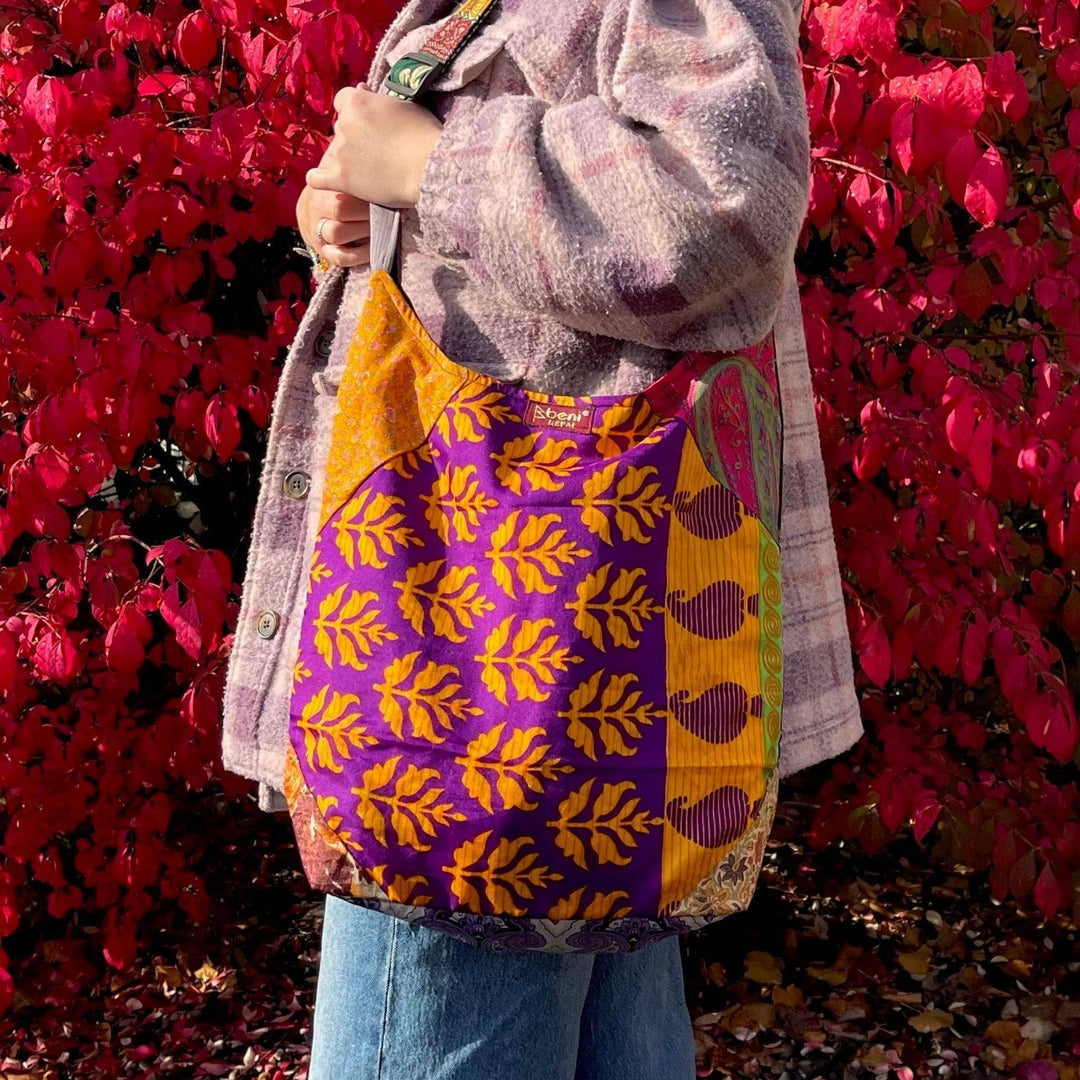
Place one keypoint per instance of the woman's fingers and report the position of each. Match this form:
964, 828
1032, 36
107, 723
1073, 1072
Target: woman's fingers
322, 178
358, 254
341, 233
343, 207
343, 239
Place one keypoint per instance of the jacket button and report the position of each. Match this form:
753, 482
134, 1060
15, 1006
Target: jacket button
267, 624
323, 341
296, 484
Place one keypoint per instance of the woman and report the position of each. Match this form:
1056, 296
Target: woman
599, 186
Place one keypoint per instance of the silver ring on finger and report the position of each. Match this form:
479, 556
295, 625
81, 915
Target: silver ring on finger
319, 229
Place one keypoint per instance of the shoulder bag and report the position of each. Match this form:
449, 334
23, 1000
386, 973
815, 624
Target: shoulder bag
537, 697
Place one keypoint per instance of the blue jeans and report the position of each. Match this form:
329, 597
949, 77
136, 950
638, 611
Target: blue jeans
397, 1002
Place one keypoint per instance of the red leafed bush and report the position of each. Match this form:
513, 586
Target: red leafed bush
151, 155
942, 304
150, 160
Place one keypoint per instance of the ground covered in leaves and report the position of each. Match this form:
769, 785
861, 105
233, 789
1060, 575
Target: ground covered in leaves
849, 966
845, 966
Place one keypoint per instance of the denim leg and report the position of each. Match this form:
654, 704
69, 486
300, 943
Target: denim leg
635, 1025
397, 1002
355, 969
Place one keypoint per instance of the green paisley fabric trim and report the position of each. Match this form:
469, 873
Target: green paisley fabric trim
771, 653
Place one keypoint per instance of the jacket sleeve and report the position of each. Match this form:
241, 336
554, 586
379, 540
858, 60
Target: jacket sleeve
665, 207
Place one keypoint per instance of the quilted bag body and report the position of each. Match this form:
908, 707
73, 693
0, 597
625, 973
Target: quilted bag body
537, 697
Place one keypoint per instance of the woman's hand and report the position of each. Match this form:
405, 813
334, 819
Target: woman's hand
346, 232
379, 149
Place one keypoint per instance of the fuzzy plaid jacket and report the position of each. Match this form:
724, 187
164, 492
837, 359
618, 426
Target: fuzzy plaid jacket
617, 181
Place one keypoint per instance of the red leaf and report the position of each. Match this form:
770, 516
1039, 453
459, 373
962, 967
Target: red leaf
973, 654
925, 813
30, 215
222, 427
894, 801
9, 908
960, 424
47, 101
868, 456
971, 736
987, 187
191, 93
875, 654
77, 19
63, 901
8, 661
959, 163
184, 620
1021, 875
73, 261
973, 291
947, 646
257, 404
980, 452
120, 944
877, 311
902, 134
963, 99
196, 41
1005, 85
1061, 730
236, 14
125, 643
56, 655
1067, 65
870, 209
1049, 894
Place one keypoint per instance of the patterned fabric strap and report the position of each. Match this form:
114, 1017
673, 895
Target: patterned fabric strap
414, 72
408, 78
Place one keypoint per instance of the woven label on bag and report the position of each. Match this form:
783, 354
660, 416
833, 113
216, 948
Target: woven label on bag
577, 418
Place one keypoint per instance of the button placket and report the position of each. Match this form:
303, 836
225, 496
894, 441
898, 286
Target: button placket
253, 683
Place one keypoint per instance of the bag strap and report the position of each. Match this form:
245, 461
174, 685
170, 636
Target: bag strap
408, 79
